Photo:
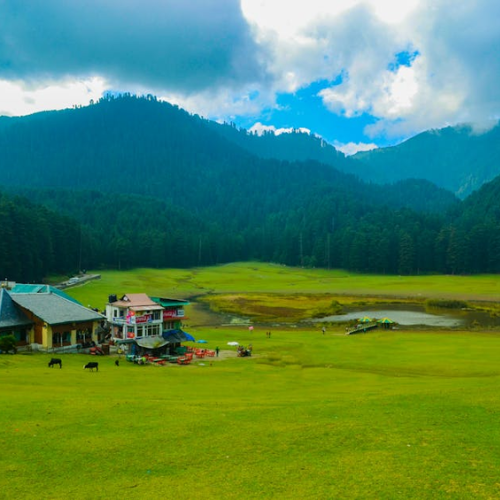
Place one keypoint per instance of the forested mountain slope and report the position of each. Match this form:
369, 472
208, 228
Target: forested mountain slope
141, 146
35, 240
454, 158
154, 186
293, 146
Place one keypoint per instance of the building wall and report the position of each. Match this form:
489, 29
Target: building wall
49, 336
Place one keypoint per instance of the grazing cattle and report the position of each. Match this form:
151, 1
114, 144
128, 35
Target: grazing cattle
55, 361
91, 366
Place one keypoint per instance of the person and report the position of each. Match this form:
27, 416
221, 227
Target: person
217, 351
323, 330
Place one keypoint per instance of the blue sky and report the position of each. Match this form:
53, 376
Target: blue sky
359, 73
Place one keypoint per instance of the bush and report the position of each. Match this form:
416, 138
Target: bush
8, 343
446, 303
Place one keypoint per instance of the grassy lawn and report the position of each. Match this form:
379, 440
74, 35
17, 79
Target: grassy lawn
266, 291
386, 415
382, 415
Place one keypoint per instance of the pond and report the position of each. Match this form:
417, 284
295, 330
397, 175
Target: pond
407, 315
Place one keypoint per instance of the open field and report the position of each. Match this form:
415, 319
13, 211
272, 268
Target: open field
382, 415
257, 278
389, 414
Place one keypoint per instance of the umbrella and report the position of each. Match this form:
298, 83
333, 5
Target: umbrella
385, 320
365, 319
233, 343
201, 341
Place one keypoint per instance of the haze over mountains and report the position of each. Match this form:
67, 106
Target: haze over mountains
152, 185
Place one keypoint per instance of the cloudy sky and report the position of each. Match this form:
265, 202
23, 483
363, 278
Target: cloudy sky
360, 73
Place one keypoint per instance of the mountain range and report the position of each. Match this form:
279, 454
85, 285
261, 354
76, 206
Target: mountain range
152, 185
455, 158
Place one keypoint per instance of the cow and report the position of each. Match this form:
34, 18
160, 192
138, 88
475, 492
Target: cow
55, 361
91, 366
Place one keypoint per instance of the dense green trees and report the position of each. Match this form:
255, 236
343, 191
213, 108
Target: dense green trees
151, 185
35, 241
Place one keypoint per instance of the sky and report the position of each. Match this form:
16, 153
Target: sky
359, 73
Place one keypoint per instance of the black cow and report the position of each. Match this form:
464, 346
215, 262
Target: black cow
91, 366
55, 361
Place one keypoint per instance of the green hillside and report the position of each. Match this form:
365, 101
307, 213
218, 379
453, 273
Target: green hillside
455, 158
152, 185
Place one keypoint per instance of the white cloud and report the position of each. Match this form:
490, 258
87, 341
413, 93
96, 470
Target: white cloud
221, 60
260, 129
352, 148
451, 80
18, 99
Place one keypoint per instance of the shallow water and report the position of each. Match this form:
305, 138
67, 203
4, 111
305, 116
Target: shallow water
401, 317
408, 315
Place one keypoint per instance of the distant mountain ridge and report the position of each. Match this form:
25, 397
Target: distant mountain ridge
292, 146
152, 185
152, 148
454, 158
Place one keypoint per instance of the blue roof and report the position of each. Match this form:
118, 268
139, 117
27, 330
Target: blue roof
20, 288
10, 314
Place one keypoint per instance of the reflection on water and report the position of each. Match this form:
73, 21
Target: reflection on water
415, 315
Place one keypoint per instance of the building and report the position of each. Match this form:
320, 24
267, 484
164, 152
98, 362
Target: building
46, 318
136, 315
13, 321
173, 312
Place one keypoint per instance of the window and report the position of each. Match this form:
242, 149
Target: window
152, 330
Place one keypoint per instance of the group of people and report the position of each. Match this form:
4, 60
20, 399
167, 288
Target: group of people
244, 351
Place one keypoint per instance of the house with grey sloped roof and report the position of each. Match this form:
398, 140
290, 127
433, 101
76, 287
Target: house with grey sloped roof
58, 321
12, 320
28, 288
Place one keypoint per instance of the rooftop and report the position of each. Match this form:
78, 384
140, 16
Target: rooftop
10, 315
54, 309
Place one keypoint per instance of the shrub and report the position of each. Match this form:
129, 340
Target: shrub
446, 303
8, 343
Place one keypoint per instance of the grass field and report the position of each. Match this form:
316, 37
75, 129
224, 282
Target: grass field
216, 284
386, 415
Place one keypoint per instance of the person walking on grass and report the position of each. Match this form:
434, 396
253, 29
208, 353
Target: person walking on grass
217, 351
323, 330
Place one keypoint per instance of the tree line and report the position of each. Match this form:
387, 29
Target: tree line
132, 182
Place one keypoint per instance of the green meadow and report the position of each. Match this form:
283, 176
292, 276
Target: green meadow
385, 415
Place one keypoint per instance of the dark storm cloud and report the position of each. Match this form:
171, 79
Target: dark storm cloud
165, 44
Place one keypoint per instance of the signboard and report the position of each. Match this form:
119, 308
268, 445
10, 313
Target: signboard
173, 313
145, 318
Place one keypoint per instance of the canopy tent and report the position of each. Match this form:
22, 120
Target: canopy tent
385, 321
152, 342
177, 336
365, 319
